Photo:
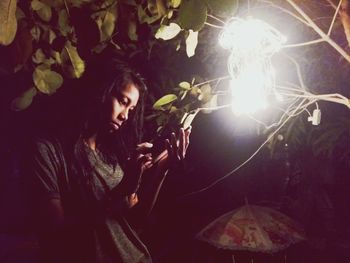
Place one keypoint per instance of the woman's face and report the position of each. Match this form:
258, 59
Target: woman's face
121, 106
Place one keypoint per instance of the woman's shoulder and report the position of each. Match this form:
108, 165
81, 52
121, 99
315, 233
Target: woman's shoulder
47, 144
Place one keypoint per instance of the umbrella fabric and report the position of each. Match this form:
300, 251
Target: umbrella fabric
252, 228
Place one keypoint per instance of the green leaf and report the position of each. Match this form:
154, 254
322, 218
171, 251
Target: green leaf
63, 22
36, 5
73, 65
54, 3
185, 85
168, 32
78, 3
187, 119
107, 25
164, 101
175, 3
132, 30
20, 14
43, 10
35, 32
144, 18
39, 56
45, 13
152, 7
161, 8
8, 21
24, 100
192, 14
205, 95
191, 43
46, 80
223, 7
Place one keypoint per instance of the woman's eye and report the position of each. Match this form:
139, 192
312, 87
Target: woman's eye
123, 102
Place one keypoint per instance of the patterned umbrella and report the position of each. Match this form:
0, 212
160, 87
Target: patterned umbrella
252, 228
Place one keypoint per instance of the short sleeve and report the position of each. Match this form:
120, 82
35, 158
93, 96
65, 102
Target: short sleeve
46, 169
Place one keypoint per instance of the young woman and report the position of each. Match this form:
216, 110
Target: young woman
86, 187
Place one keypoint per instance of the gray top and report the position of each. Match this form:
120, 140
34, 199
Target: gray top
100, 234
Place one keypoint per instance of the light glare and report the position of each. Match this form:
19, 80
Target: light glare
252, 43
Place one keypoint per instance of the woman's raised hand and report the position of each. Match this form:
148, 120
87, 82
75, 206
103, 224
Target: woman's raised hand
176, 149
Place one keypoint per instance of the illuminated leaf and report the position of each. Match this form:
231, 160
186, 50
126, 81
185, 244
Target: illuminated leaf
132, 30
223, 7
107, 25
63, 22
191, 43
152, 7
160, 8
164, 101
43, 10
78, 3
54, 3
205, 95
35, 32
8, 21
74, 66
168, 32
144, 18
185, 85
192, 14
187, 119
175, 3
39, 56
46, 80
24, 100
19, 14
37, 5
45, 13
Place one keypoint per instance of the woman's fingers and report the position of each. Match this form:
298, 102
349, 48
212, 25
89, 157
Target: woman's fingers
174, 146
144, 160
182, 144
187, 137
144, 147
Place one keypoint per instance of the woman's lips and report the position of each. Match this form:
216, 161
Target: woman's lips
115, 125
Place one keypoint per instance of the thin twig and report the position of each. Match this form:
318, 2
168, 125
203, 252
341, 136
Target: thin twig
214, 108
319, 31
212, 25
297, 67
334, 17
217, 19
332, 4
211, 80
66, 6
304, 43
286, 11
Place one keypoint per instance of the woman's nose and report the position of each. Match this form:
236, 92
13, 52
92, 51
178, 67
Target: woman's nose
124, 115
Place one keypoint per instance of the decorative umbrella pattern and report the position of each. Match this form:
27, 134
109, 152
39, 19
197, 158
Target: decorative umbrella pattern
252, 228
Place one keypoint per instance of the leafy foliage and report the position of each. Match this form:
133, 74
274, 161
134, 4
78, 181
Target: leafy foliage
8, 21
61, 36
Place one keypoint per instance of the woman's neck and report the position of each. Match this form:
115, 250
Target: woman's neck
91, 142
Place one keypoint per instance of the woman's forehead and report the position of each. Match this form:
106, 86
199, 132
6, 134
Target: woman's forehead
131, 92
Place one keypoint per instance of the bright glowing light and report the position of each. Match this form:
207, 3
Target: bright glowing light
251, 35
248, 89
252, 43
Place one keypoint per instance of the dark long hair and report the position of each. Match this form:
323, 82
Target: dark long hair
106, 80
